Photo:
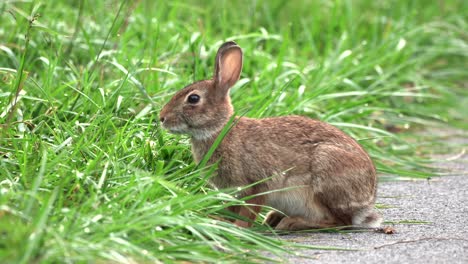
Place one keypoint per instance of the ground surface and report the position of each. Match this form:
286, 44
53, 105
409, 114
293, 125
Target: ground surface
440, 203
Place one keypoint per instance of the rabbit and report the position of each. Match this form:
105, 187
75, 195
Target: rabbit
322, 177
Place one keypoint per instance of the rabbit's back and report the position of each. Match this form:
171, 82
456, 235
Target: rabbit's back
286, 148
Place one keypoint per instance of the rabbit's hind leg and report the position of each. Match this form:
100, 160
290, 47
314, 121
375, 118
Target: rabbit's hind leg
297, 223
273, 218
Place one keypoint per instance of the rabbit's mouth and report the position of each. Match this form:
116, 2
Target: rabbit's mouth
176, 129
199, 134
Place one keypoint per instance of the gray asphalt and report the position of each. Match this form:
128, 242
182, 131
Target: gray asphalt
437, 210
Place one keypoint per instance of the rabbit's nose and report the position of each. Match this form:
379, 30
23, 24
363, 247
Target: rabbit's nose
162, 119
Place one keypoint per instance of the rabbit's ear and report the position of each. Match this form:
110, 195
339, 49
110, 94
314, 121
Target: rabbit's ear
228, 67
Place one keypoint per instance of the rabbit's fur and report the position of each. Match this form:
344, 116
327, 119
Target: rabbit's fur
328, 179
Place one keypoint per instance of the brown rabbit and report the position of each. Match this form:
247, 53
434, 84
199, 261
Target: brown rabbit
327, 178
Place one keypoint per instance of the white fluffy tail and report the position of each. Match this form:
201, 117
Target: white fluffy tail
367, 218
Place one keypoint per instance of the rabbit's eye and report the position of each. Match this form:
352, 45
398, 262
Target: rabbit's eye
193, 99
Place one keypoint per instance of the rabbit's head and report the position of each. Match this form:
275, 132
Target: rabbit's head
203, 108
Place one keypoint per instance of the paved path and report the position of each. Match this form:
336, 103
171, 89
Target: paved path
441, 204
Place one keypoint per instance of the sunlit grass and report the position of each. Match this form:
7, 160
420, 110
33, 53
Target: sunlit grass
87, 174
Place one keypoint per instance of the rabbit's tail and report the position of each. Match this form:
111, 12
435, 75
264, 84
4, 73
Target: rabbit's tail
367, 218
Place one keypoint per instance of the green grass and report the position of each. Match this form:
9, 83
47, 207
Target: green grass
86, 173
